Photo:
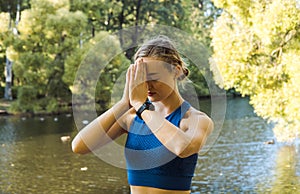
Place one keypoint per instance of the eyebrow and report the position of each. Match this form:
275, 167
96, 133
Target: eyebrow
150, 74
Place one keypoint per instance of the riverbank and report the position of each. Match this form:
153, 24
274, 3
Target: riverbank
4, 105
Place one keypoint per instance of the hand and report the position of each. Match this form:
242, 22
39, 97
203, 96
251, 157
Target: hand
125, 97
138, 87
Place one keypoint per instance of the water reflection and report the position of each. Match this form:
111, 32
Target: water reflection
239, 161
33, 159
287, 175
43, 164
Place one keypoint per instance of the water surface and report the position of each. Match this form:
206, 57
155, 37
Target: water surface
33, 159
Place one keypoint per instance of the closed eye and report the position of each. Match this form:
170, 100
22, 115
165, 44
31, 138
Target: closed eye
152, 79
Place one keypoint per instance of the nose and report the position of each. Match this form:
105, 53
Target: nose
149, 84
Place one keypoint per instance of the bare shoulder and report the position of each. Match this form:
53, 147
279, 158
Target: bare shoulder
193, 113
196, 119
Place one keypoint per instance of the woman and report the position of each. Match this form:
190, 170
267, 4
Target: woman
164, 133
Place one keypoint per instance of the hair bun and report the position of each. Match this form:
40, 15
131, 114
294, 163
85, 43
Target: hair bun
186, 71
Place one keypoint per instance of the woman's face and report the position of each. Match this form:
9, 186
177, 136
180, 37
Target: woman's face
161, 81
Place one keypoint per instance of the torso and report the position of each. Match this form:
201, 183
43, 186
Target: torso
151, 190
184, 123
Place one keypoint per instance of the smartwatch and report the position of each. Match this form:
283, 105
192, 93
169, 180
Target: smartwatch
146, 106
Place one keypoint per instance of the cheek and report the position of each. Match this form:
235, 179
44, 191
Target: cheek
168, 83
165, 87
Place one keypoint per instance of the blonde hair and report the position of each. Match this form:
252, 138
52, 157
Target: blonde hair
161, 47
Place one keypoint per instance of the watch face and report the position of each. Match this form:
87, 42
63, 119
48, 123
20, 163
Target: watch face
151, 107
146, 106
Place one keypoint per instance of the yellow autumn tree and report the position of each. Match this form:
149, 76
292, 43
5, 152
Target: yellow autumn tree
256, 48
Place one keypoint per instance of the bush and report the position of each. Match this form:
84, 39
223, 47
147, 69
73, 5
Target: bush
26, 97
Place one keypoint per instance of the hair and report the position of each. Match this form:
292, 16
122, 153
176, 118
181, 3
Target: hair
162, 48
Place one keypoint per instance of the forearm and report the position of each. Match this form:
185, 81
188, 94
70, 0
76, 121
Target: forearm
108, 118
95, 132
172, 137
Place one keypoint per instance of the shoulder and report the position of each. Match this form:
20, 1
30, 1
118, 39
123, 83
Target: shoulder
195, 119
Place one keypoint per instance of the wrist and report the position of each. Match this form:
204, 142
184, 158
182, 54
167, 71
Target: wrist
154, 120
145, 115
120, 108
147, 105
137, 105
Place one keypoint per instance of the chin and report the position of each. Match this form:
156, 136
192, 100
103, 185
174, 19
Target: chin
152, 99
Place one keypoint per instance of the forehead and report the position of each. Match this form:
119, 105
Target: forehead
156, 65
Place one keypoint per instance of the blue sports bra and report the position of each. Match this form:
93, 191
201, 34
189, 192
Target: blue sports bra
150, 163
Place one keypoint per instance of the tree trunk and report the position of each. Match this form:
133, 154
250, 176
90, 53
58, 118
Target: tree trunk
8, 66
131, 51
8, 80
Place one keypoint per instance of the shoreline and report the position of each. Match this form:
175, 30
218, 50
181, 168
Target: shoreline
5, 104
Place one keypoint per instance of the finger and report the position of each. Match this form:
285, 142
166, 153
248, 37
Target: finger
132, 75
140, 73
143, 65
128, 73
138, 61
128, 76
136, 72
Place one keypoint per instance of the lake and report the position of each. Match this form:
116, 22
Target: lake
33, 159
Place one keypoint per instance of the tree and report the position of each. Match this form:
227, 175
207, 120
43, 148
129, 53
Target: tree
116, 15
92, 72
257, 51
53, 37
48, 33
11, 10
193, 17
4, 35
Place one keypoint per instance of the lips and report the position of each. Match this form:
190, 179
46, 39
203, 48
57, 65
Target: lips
151, 93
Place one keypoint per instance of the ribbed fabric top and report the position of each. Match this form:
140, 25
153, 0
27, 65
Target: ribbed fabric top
150, 163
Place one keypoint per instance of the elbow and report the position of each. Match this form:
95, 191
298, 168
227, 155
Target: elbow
75, 147
210, 127
187, 152
78, 147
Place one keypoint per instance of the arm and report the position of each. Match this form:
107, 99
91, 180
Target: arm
101, 130
104, 128
182, 142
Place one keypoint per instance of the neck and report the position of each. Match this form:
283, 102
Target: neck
168, 105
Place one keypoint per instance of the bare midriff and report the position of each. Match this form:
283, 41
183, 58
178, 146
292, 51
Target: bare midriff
151, 190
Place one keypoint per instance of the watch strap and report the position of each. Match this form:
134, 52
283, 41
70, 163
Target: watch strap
146, 106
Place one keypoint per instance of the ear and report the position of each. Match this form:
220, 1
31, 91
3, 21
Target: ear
178, 71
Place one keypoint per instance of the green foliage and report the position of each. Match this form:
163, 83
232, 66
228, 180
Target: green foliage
202, 18
115, 15
257, 51
54, 37
27, 96
11, 7
28, 102
96, 67
4, 28
49, 33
